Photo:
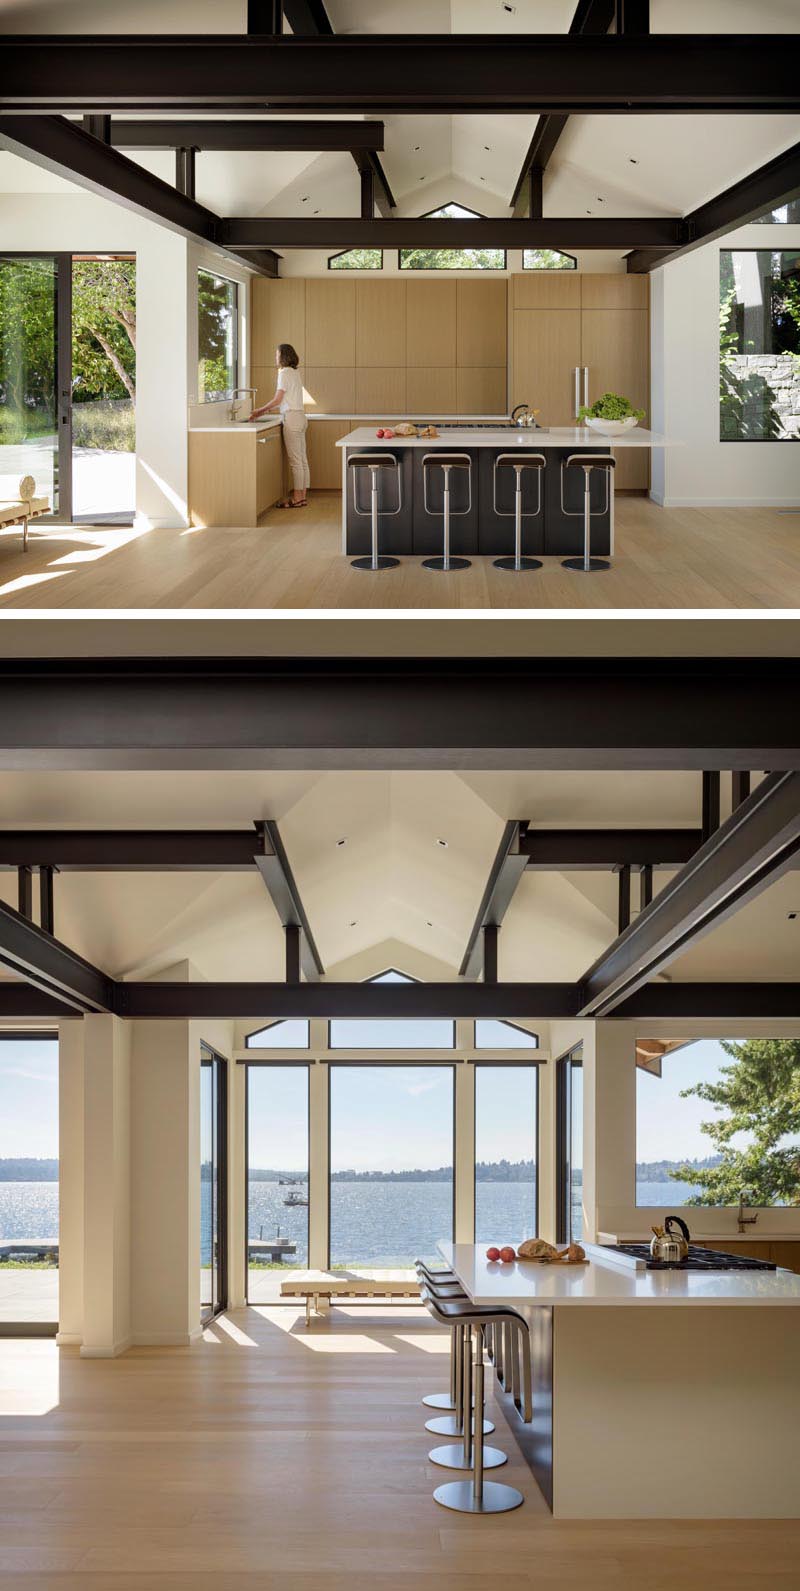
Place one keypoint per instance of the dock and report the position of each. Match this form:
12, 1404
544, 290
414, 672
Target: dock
275, 1249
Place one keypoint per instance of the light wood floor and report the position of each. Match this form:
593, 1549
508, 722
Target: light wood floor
275, 1458
666, 558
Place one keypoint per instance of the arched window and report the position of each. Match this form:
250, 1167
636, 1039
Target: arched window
452, 259
357, 260
548, 260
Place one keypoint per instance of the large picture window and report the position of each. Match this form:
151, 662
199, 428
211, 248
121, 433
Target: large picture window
452, 259
506, 1129
277, 1176
759, 325
391, 1163
217, 337
715, 1116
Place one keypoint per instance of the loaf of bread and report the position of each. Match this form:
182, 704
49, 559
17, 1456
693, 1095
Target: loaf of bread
535, 1248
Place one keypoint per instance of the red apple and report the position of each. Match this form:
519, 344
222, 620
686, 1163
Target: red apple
492, 1253
379, 433
507, 1254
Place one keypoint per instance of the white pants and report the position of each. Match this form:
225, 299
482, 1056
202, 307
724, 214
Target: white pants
295, 425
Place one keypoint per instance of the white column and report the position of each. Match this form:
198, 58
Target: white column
165, 1183
464, 1169
107, 1192
162, 281
237, 1194
318, 1166
70, 1183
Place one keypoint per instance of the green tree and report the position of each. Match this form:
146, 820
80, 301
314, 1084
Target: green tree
104, 328
758, 1094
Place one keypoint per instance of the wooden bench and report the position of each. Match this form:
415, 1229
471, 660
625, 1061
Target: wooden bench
21, 510
323, 1288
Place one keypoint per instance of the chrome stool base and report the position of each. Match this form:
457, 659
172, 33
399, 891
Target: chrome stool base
524, 563
439, 1400
380, 563
495, 1499
452, 563
451, 1456
586, 567
447, 1426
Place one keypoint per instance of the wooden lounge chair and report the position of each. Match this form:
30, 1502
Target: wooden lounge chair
21, 510
326, 1287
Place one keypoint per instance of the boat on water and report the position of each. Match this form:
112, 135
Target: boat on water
296, 1196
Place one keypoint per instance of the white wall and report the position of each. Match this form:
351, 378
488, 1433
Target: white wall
684, 321
70, 1183
106, 1187
83, 223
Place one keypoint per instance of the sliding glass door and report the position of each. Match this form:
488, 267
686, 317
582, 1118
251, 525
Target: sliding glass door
213, 1183
29, 361
391, 1162
29, 1229
569, 1147
68, 383
277, 1175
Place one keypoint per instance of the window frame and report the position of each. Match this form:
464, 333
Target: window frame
452, 1064
495, 1061
389, 1049
232, 281
731, 252
218, 1065
558, 269
263, 1063
299, 1049
354, 268
435, 214
533, 1038
563, 1167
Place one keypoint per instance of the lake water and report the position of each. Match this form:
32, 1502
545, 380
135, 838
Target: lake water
374, 1223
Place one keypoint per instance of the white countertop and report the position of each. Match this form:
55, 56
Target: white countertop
237, 427
603, 1282
577, 436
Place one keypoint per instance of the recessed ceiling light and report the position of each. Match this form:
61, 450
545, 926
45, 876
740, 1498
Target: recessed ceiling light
633, 160
430, 925
417, 148
487, 147
599, 200
343, 840
354, 923
443, 844
304, 199
512, 10
791, 916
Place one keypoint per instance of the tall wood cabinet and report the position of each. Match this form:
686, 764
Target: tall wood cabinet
592, 323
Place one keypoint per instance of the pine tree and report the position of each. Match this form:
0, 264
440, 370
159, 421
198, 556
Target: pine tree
757, 1095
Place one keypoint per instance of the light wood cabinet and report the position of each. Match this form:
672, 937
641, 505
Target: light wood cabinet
430, 324
614, 350
546, 290
380, 323
381, 391
481, 322
431, 391
234, 475
324, 458
614, 290
331, 389
481, 390
546, 351
330, 322
278, 315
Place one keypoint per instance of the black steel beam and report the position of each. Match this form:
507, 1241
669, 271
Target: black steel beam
623, 898
370, 166
754, 847
602, 850
571, 713
131, 850
369, 1000
645, 886
506, 871
765, 189
264, 17
323, 232
592, 17
27, 952
25, 892
711, 787
275, 869
46, 899
740, 786
307, 18
728, 1001
250, 135
632, 17
65, 148
22, 1000
436, 73
99, 127
186, 172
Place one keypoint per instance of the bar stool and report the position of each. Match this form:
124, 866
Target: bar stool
475, 1496
375, 463
519, 462
444, 1284
587, 462
446, 462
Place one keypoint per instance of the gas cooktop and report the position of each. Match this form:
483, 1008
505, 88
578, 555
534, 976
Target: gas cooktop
699, 1259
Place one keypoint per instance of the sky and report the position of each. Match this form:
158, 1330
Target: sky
668, 1127
29, 1098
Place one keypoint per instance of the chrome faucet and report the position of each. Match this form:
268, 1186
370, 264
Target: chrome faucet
745, 1220
236, 393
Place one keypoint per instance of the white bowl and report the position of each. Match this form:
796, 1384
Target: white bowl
611, 427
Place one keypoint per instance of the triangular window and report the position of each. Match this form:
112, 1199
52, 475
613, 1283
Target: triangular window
452, 259
392, 1033
357, 260
491, 1034
548, 260
291, 1033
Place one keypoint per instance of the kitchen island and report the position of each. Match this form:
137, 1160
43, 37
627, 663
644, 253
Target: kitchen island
655, 1393
484, 530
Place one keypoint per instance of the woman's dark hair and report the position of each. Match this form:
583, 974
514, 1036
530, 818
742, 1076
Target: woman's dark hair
288, 356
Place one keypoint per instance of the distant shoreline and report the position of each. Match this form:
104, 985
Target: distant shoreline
30, 1170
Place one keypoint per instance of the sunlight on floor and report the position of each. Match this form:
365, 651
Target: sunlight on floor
24, 581
235, 1332
426, 1344
29, 1377
343, 1342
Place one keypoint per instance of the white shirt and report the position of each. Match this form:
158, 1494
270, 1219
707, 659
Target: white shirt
291, 382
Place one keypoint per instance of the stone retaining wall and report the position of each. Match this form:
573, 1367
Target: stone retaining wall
761, 397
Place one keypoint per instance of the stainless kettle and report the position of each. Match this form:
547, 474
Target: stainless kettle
524, 417
667, 1245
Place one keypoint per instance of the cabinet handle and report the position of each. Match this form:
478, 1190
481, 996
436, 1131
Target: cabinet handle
577, 377
586, 385
262, 441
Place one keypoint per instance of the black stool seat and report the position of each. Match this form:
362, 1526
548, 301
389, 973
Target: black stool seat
587, 462
519, 462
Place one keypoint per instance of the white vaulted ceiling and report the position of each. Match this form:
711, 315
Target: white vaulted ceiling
391, 892
620, 165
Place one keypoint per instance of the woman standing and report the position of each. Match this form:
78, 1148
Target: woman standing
289, 400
